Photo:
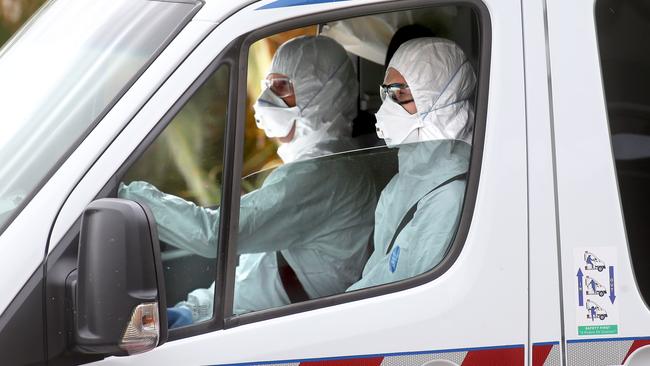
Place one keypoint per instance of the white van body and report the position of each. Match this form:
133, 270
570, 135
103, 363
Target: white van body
547, 193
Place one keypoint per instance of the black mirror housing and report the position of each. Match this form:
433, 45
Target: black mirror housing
119, 297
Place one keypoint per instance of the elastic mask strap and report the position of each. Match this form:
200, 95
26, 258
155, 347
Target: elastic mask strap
433, 106
268, 94
323, 87
450, 104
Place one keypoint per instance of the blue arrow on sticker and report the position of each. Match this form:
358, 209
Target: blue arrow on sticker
612, 295
580, 299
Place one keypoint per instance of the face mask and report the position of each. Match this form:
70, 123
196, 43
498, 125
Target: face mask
305, 142
291, 151
273, 116
395, 125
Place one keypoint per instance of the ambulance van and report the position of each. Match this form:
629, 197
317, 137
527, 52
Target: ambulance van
97, 94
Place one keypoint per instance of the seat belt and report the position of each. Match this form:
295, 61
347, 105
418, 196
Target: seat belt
290, 282
408, 216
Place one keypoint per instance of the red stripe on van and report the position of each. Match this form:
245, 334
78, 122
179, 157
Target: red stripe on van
635, 346
375, 361
495, 357
540, 354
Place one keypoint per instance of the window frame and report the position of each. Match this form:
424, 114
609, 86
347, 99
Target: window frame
226, 58
64, 255
62, 260
244, 44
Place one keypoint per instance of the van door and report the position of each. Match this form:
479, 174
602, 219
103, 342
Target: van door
544, 284
470, 308
600, 120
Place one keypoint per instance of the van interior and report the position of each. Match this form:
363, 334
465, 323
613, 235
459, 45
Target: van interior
367, 40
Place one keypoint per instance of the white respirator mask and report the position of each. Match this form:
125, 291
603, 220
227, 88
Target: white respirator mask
273, 115
395, 125
304, 144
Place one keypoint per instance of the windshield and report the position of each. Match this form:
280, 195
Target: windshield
62, 71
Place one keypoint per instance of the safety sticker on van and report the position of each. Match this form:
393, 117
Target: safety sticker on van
596, 306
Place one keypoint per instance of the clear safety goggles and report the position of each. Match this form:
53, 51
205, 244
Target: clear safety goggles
280, 86
398, 92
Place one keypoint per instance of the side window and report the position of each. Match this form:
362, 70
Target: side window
357, 151
179, 177
356, 157
625, 64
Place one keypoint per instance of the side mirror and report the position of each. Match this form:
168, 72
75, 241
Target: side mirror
118, 296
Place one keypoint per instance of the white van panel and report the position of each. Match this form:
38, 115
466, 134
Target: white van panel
589, 208
481, 301
23, 243
217, 11
545, 324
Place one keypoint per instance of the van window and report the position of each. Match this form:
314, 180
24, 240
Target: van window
179, 177
355, 158
623, 27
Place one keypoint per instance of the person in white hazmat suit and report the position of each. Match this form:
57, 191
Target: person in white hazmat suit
427, 115
315, 214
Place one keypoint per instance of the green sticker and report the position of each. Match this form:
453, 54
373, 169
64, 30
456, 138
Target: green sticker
597, 329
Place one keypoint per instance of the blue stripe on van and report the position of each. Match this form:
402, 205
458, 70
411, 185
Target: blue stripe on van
383, 355
553, 343
623, 339
288, 3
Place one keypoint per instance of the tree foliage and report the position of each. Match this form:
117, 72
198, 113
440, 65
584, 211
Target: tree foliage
13, 14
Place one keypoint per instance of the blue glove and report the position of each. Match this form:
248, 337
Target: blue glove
178, 317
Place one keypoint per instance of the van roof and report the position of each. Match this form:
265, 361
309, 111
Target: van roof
217, 10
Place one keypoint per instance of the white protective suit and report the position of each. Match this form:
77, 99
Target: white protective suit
326, 93
317, 212
441, 82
